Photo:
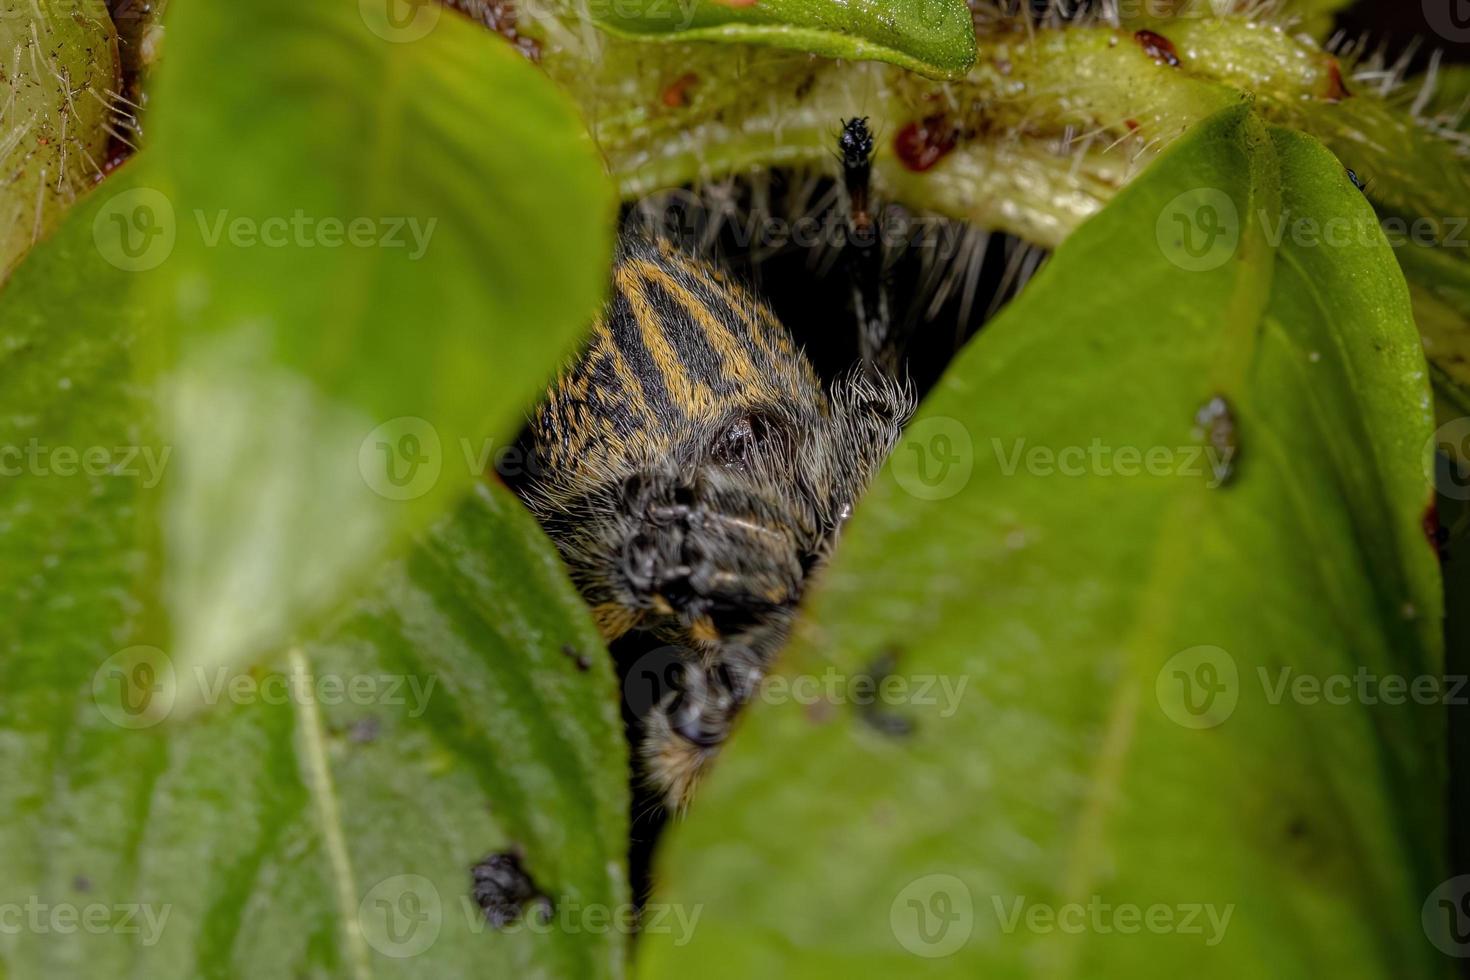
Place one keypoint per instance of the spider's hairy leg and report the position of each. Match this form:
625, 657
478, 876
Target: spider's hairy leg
694, 557
683, 734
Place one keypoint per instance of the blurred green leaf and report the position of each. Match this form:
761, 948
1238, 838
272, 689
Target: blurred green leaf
463, 705
61, 79
1440, 285
373, 239
932, 37
1093, 629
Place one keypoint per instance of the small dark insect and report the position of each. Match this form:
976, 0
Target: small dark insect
502, 889
856, 148
1158, 47
1216, 420
577, 657
1357, 181
364, 730
694, 472
864, 256
871, 710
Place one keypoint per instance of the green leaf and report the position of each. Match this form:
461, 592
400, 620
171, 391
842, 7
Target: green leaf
1044, 602
1440, 285
932, 37
61, 76
372, 247
465, 706
325, 816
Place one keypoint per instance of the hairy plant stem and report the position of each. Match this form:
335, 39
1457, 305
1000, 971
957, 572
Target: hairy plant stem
1040, 135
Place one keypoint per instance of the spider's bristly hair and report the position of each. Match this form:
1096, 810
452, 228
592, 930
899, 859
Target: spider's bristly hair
693, 471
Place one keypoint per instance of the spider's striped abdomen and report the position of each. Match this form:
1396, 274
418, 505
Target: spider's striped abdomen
678, 346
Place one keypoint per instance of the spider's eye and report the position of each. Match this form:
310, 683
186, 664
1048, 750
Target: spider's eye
737, 444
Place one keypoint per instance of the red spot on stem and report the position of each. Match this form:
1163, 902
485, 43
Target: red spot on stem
924, 142
1337, 89
676, 93
1158, 47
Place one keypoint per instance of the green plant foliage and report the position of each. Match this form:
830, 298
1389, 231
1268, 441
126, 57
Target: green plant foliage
1045, 129
322, 814
933, 37
1122, 636
281, 667
60, 79
358, 292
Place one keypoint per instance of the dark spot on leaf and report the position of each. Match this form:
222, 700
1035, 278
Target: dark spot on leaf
1216, 422
1132, 125
1297, 828
502, 889
82, 883
923, 143
867, 696
364, 730
576, 656
1438, 536
1158, 47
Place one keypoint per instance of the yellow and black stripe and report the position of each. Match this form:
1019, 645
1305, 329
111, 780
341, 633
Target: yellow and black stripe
678, 342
